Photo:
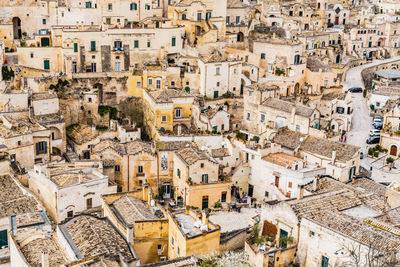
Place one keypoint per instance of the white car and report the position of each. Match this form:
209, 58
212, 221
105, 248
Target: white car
375, 132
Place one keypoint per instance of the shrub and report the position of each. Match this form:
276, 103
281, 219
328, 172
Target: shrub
371, 151
376, 154
389, 160
7, 73
217, 205
256, 139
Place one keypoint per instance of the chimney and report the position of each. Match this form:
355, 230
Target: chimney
129, 235
80, 177
315, 183
292, 115
301, 192
45, 260
333, 156
204, 217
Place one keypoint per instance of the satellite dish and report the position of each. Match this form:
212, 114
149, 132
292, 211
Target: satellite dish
301, 139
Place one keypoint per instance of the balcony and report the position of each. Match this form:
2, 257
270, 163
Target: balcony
118, 49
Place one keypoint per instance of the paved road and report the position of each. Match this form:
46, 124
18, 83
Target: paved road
362, 122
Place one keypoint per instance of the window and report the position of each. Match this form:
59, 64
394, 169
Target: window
88, 203
262, 117
75, 47
90, 100
172, 241
199, 16
44, 21
290, 184
217, 71
117, 168
117, 66
183, 16
46, 64
108, 21
147, 7
110, 7
178, 112
138, 84
204, 178
41, 148
201, 165
74, 67
136, 44
173, 41
140, 169
148, 44
70, 214
228, 19
248, 116
208, 15
133, 6
262, 55
117, 45
179, 252
3, 239
325, 262
178, 173
93, 67
158, 84
297, 128
237, 19
163, 118
31, 55
88, 4
218, 84
93, 46
86, 154
223, 197
150, 81
266, 194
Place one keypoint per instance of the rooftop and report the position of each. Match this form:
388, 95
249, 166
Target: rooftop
15, 126
166, 95
324, 147
282, 159
187, 224
81, 133
220, 152
13, 199
232, 221
45, 95
191, 155
130, 148
263, 87
66, 177
130, 209
287, 107
92, 236
173, 145
388, 73
288, 138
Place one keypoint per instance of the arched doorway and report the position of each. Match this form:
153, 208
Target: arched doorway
337, 59
274, 24
240, 37
306, 27
241, 87
17, 28
393, 150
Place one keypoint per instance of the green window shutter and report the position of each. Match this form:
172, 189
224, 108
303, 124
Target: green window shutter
136, 44
173, 41
148, 44
131, 6
3, 239
135, 6
46, 64
75, 47
93, 46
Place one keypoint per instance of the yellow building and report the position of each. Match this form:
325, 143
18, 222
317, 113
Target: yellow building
190, 233
167, 111
143, 226
196, 181
151, 77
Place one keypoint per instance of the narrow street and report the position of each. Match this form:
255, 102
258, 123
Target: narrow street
362, 122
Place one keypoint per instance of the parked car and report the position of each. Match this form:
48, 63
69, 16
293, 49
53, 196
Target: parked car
355, 90
378, 120
373, 140
377, 117
361, 155
378, 125
375, 132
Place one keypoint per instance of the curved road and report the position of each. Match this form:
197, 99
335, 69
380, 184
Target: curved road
361, 121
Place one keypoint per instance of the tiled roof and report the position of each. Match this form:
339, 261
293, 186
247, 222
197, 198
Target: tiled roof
220, 152
131, 209
191, 155
130, 148
288, 138
287, 107
93, 236
81, 133
33, 251
13, 200
324, 147
166, 95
